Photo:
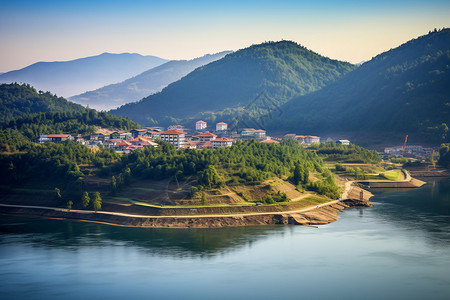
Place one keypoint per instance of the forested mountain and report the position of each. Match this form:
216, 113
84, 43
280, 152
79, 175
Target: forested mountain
144, 84
24, 111
17, 100
402, 91
68, 78
276, 70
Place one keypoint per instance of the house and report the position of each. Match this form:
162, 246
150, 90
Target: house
300, 138
289, 135
131, 148
248, 133
221, 126
343, 142
311, 139
174, 137
153, 134
270, 142
200, 125
206, 137
111, 143
114, 135
222, 142
58, 138
260, 134
122, 145
143, 141
43, 138
138, 132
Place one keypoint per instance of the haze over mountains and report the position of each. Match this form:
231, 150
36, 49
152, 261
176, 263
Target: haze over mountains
279, 70
68, 78
144, 84
402, 91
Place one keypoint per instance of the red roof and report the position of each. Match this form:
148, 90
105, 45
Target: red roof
123, 143
260, 130
200, 121
58, 135
221, 123
141, 139
173, 132
207, 134
140, 129
313, 137
270, 141
223, 139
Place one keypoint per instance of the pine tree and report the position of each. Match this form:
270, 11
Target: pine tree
85, 199
97, 201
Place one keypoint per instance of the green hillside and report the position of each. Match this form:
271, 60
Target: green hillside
402, 91
17, 100
24, 112
280, 70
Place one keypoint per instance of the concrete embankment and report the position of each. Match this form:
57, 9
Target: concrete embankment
409, 182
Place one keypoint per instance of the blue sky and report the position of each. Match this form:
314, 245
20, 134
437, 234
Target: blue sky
354, 31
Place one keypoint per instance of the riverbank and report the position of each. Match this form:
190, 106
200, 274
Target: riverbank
316, 215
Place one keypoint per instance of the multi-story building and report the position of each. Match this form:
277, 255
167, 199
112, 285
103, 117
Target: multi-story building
221, 126
174, 137
200, 125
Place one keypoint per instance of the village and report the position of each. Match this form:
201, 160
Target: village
177, 135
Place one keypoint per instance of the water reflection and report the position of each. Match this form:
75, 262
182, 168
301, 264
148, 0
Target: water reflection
426, 209
172, 242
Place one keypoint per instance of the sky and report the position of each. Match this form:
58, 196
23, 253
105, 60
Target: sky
349, 30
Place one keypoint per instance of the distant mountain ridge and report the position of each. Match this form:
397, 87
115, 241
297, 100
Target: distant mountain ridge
403, 91
144, 84
68, 78
280, 70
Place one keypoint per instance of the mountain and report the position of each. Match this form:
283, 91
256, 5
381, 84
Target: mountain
17, 100
144, 84
28, 112
275, 71
68, 78
402, 91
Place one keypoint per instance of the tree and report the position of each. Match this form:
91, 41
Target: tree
204, 200
97, 201
113, 185
57, 195
85, 199
69, 205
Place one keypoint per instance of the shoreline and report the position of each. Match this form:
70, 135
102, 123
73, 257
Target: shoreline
316, 215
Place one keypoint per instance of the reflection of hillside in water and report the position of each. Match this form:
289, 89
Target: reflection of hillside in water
426, 209
171, 242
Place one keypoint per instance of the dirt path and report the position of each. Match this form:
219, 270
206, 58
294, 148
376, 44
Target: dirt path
165, 217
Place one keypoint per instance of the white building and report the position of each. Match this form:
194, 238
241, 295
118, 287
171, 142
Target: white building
222, 142
221, 126
200, 125
344, 142
311, 139
174, 137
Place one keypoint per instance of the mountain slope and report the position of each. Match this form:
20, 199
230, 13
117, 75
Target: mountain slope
405, 90
17, 100
280, 70
144, 84
24, 110
68, 78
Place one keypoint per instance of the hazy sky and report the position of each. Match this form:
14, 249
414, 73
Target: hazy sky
351, 30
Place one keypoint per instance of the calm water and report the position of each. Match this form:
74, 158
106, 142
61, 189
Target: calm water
399, 249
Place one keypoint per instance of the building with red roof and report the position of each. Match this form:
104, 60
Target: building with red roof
221, 126
222, 142
174, 137
200, 125
270, 142
206, 137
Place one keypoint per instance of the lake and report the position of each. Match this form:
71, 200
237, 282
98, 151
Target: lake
398, 249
